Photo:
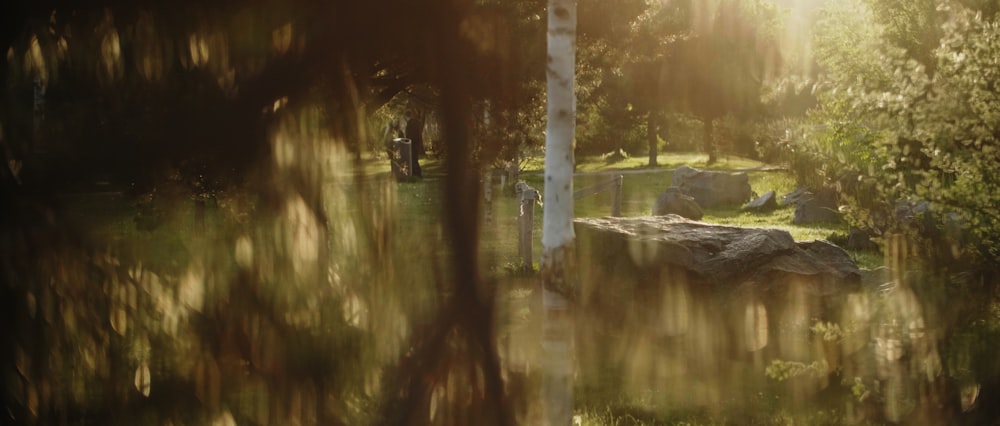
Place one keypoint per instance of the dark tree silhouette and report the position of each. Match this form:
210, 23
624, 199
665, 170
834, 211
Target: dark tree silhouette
170, 96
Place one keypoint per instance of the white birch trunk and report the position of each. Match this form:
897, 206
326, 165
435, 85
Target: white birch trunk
558, 256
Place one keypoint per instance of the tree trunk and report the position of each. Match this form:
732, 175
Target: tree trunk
651, 137
710, 147
558, 255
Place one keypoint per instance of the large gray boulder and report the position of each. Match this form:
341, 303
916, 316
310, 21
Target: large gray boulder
712, 189
673, 201
716, 255
702, 300
634, 270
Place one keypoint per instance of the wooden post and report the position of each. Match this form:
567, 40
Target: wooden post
511, 170
616, 197
526, 221
488, 199
614, 185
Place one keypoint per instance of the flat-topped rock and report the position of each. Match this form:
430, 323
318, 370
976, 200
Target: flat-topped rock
721, 255
666, 291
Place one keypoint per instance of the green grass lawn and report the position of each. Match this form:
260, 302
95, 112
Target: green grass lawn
640, 188
419, 204
668, 160
378, 164
419, 225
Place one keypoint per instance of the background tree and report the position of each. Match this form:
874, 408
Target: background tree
637, 82
606, 120
675, 58
720, 68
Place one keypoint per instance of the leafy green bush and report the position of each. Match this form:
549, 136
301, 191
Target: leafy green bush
907, 131
944, 139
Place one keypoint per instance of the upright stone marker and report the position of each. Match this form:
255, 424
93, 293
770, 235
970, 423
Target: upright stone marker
526, 220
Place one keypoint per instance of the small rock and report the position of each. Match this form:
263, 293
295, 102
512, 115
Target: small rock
764, 203
796, 196
673, 201
820, 206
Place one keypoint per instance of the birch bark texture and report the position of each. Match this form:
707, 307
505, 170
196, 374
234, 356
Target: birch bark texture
558, 256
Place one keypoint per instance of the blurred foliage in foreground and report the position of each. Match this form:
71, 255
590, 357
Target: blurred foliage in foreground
251, 275
185, 239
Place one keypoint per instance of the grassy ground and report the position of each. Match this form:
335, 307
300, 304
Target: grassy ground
640, 188
664, 160
434, 166
417, 210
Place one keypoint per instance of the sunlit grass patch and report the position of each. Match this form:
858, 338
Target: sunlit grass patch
867, 259
377, 163
417, 256
419, 210
700, 160
780, 182
639, 192
668, 160
778, 219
